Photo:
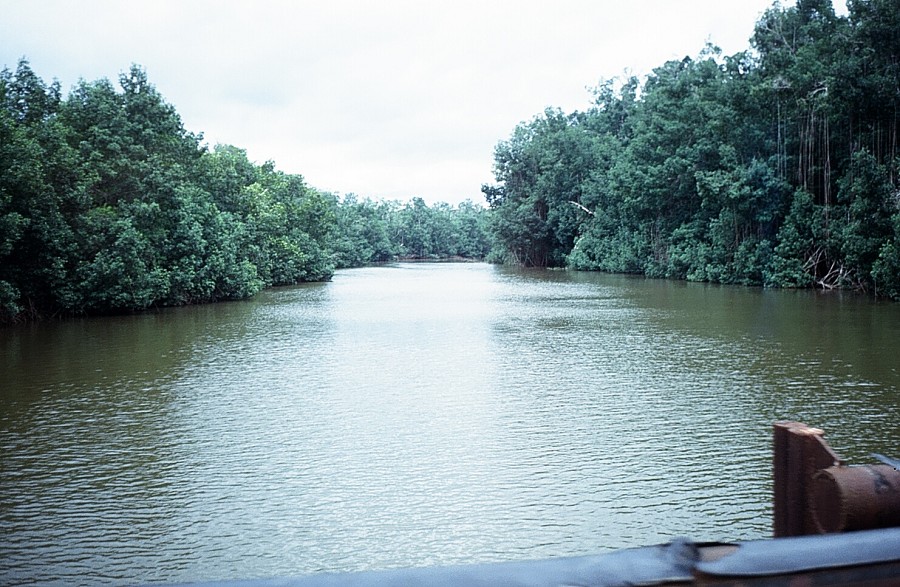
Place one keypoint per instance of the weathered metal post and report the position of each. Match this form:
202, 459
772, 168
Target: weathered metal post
816, 493
799, 452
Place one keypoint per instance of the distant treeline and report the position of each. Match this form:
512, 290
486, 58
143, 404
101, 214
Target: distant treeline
776, 166
107, 204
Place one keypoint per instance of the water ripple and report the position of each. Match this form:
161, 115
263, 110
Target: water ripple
407, 416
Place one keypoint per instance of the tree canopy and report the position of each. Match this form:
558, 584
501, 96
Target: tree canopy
775, 166
107, 204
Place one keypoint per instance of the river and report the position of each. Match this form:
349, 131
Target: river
421, 414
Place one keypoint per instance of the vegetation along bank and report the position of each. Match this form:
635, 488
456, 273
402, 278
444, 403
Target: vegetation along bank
107, 204
776, 166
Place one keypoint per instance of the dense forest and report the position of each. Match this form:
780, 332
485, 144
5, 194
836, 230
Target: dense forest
107, 204
776, 166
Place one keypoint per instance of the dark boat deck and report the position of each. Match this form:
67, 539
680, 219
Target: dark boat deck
870, 558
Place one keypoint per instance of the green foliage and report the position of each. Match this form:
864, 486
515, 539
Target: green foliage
864, 226
107, 204
537, 210
118, 269
375, 232
361, 234
773, 167
886, 269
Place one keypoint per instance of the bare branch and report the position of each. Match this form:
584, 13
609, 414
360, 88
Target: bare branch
577, 205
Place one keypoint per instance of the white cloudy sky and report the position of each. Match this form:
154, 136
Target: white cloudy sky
383, 98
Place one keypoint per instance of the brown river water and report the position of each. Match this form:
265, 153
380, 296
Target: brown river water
421, 414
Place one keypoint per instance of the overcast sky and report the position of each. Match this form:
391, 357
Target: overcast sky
382, 98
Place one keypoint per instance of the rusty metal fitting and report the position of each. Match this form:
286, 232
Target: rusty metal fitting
799, 451
855, 498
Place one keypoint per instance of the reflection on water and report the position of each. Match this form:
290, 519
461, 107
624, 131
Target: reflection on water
421, 414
